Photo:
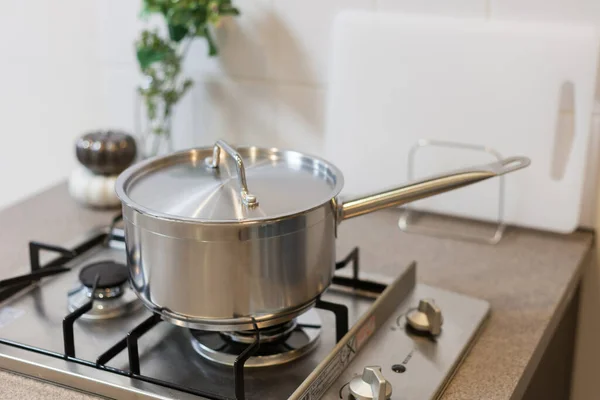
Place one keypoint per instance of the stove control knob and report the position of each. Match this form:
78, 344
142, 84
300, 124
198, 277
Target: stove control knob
370, 386
426, 318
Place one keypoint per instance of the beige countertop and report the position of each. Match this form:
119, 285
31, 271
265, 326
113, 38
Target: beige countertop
528, 278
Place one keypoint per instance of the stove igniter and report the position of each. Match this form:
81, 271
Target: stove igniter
370, 386
105, 293
426, 318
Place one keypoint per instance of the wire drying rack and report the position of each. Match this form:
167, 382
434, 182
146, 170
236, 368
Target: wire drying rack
407, 219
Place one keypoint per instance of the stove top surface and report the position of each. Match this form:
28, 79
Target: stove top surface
418, 367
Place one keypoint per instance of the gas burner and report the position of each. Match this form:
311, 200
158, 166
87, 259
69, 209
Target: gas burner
279, 344
277, 333
111, 297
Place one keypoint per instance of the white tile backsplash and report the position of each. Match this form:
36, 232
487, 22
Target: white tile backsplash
116, 28
460, 8
24, 28
42, 116
70, 39
120, 102
183, 123
300, 118
303, 40
553, 10
239, 111
49, 91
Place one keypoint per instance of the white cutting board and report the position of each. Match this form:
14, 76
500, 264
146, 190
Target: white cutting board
511, 86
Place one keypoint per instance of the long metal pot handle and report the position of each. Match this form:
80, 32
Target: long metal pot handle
429, 187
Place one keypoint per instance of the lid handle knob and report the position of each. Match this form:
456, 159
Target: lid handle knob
213, 162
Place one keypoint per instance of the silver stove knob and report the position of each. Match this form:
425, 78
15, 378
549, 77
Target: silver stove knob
426, 318
370, 386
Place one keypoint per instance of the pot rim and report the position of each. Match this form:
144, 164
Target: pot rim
147, 166
230, 232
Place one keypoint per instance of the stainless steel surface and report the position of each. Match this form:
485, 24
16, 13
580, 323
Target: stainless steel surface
202, 259
214, 162
357, 337
166, 352
106, 152
430, 187
222, 284
300, 341
427, 317
372, 385
428, 364
406, 222
105, 307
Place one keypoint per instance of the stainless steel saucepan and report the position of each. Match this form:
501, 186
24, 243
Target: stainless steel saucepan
220, 237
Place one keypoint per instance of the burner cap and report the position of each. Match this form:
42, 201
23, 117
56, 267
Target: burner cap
112, 274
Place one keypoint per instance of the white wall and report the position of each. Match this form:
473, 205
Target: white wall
69, 66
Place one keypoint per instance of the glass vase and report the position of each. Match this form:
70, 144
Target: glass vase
154, 135
157, 144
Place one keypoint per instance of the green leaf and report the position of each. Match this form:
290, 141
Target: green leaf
187, 84
146, 56
228, 9
199, 18
180, 16
177, 32
154, 6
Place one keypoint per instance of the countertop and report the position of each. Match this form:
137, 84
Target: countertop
528, 278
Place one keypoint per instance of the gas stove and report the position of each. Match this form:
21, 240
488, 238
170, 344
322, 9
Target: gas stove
75, 321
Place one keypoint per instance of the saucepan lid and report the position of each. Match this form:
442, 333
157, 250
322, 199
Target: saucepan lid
223, 184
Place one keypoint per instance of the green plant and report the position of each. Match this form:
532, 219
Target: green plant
160, 57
